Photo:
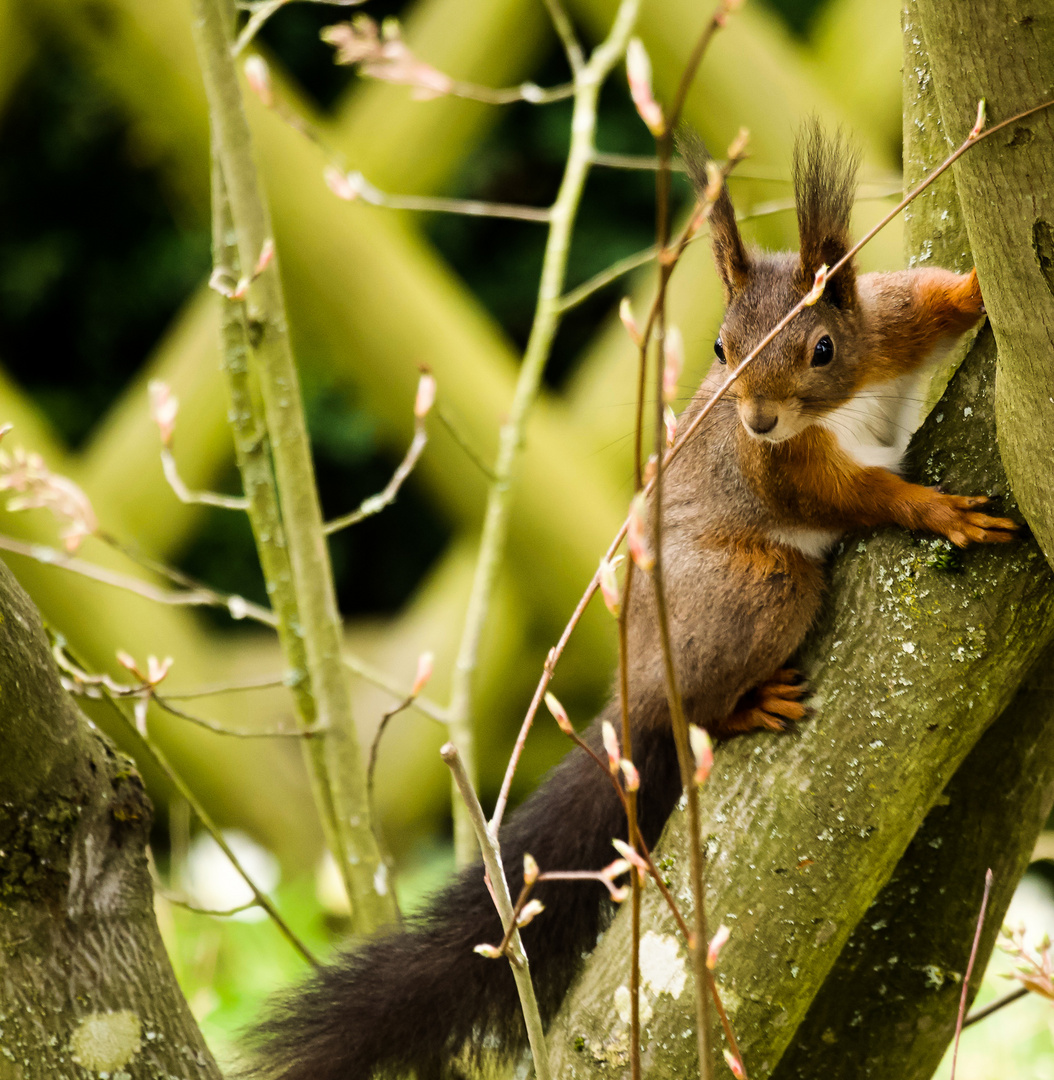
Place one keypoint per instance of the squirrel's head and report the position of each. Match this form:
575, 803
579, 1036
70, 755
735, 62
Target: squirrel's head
813, 366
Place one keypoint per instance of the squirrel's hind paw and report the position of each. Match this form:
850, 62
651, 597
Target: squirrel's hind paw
772, 706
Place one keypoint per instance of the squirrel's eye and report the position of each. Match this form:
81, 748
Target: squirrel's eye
720, 350
823, 353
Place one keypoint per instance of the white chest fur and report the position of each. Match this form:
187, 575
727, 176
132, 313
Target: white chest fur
874, 427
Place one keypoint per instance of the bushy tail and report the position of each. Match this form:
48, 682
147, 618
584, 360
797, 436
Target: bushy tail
409, 1000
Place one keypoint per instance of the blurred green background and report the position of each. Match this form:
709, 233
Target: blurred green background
104, 254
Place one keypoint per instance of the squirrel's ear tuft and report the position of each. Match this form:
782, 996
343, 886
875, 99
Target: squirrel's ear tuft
733, 264
824, 173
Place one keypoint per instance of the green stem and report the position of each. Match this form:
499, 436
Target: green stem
521, 970
299, 577
588, 81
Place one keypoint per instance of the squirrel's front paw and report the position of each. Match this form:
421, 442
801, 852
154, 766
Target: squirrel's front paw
955, 517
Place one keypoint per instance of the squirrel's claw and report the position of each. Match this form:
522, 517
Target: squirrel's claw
772, 706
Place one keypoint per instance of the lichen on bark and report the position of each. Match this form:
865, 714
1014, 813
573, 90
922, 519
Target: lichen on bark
83, 966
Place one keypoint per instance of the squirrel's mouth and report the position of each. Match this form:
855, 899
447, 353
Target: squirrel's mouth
772, 425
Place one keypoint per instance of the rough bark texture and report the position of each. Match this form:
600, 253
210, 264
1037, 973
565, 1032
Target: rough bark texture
888, 1007
1007, 57
916, 656
85, 985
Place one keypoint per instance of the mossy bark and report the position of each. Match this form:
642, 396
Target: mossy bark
889, 1006
1007, 58
918, 653
85, 984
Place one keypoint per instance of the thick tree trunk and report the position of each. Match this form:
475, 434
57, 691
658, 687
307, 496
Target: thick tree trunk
914, 659
86, 988
1004, 53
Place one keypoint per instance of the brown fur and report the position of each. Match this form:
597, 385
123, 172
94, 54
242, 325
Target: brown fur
744, 579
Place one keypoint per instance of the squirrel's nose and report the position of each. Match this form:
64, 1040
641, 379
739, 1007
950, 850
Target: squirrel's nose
762, 425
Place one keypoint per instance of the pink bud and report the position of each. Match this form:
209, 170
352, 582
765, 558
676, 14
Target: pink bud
611, 746
220, 281
530, 911
639, 548
339, 183
669, 418
625, 313
258, 76
638, 74
982, 109
630, 774
491, 952
424, 672
619, 893
702, 751
609, 587
615, 869
266, 257
630, 855
530, 869
818, 285
715, 181
5, 429
559, 713
126, 660
156, 669
737, 148
426, 395
734, 1064
717, 943
673, 355
164, 406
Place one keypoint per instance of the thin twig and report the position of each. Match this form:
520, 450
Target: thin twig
566, 32
636, 162
529, 92
238, 606
458, 436
379, 679
633, 826
261, 12
995, 1006
189, 905
623, 266
358, 187
503, 901
969, 970
511, 438
376, 503
219, 729
265, 682
679, 722
200, 498
158, 757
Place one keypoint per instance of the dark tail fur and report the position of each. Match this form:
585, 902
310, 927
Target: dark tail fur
412, 998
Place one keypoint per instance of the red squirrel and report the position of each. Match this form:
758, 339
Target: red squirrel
800, 451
